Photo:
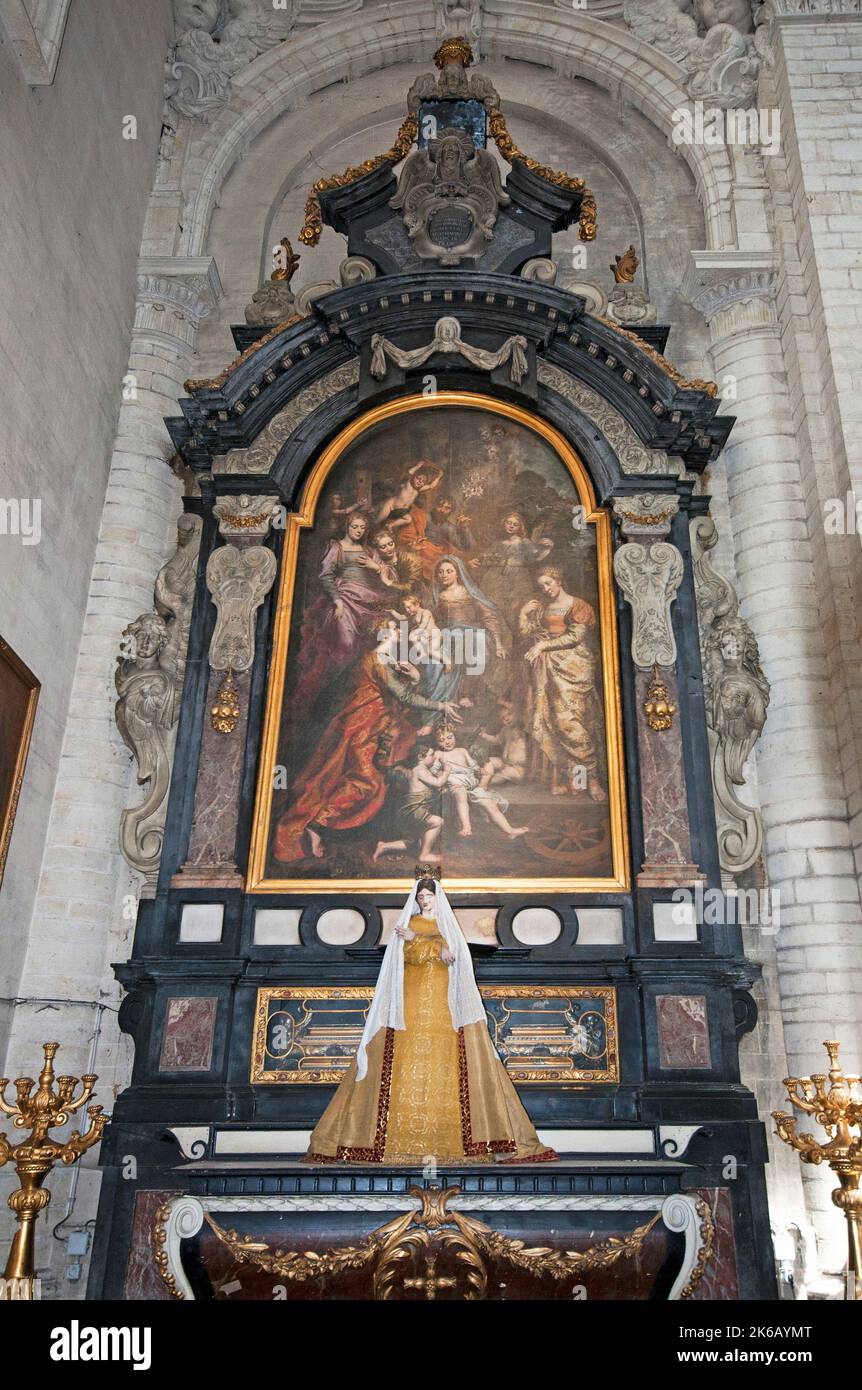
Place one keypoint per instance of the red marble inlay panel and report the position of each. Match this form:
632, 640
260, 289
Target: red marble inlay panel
187, 1037
683, 1030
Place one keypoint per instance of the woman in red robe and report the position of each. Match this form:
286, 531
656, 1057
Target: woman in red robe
344, 784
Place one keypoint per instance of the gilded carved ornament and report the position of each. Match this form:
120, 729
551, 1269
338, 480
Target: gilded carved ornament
405, 1255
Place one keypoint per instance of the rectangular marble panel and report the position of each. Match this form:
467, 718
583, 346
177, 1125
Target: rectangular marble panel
277, 926
683, 1030
187, 1037
201, 922
674, 922
600, 926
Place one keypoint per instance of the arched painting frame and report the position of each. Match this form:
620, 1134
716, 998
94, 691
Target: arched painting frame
574, 843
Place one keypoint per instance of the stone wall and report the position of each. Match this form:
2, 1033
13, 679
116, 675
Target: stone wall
74, 195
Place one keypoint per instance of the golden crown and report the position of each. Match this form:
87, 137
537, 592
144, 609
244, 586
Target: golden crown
427, 871
453, 51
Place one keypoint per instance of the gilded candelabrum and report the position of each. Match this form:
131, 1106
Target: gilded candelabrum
35, 1156
839, 1111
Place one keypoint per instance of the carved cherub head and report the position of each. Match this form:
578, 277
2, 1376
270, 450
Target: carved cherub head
450, 151
196, 14
145, 638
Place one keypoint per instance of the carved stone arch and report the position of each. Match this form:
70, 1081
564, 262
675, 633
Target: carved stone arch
573, 45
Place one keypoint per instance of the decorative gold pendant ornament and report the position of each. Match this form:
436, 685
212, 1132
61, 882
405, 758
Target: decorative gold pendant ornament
658, 708
226, 711
35, 1157
839, 1111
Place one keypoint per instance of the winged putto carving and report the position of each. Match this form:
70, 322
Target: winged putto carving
449, 195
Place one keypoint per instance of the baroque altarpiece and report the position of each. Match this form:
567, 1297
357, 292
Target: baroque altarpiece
401, 486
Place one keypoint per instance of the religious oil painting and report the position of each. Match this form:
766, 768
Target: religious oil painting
444, 682
19, 691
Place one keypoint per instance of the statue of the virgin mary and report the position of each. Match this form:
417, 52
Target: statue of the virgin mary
426, 1081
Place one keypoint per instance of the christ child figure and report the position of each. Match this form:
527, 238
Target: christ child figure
463, 784
425, 636
419, 812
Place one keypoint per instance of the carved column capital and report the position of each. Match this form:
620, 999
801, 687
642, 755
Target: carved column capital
649, 576
808, 10
245, 517
734, 291
648, 514
174, 294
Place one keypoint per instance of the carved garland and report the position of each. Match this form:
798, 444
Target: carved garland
509, 150
312, 227
473, 1241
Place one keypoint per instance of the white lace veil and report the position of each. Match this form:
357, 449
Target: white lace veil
387, 1006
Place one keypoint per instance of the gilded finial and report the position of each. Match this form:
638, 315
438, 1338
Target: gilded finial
286, 261
625, 267
455, 50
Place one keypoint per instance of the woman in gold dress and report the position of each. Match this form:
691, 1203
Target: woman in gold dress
426, 1082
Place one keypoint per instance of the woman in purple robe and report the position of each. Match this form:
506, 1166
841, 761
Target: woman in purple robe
341, 624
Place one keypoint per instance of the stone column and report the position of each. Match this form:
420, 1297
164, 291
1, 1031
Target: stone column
802, 793
87, 900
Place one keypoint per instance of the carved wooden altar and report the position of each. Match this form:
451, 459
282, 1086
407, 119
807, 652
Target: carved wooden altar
247, 984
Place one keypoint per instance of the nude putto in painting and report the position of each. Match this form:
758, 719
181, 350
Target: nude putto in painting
444, 686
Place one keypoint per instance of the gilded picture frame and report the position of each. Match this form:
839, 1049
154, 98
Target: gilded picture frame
614, 876
19, 695
538, 1031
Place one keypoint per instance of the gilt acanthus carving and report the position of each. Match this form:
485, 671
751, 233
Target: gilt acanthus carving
216, 39
447, 338
736, 696
149, 680
649, 576
710, 39
449, 195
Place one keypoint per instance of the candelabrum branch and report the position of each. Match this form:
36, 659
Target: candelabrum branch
804, 1144
80, 1143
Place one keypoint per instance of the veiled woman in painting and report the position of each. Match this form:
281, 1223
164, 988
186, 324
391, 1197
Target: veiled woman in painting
426, 1082
341, 622
470, 619
564, 715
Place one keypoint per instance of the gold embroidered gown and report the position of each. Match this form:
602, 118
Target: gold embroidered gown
430, 1091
